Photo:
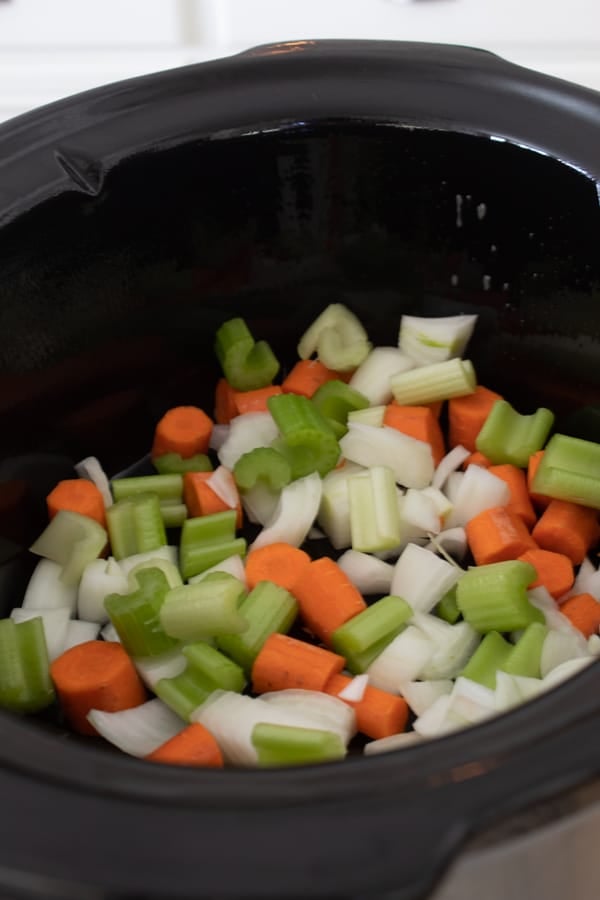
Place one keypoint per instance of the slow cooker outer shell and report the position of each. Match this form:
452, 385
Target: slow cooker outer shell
366, 826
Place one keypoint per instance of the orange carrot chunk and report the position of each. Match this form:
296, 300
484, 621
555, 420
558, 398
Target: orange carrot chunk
225, 405
306, 377
185, 430
379, 714
95, 675
193, 746
419, 422
567, 528
554, 570
466, 416
496, 535
326, 598
77, 495
284, 662
516, 480
255, 401
477, 459
280, 563
583, 611
201, 500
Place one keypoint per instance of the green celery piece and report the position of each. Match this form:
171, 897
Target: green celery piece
524, 658
25, 682
268, 609
208, 607
72, 541
136, 616
374, 513
335, 400
447, 609
135, 525
307, 441
490, 655
570, 470
288, 745
167, 487
207, 670
357, 663
436, 381
207, 540
184, 693
247, 365
385, 618
508, 437
169, 570
265, 464
173, 514
494, 597
175, 464
338, 337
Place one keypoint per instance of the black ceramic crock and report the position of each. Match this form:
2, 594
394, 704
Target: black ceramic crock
134, 219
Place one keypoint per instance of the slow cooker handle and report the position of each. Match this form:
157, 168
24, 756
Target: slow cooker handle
484, 792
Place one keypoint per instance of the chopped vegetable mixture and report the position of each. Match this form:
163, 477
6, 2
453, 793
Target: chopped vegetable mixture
463, 584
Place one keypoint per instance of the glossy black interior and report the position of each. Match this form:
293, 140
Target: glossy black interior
110, 294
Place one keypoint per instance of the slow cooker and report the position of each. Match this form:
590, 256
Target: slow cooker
136, 218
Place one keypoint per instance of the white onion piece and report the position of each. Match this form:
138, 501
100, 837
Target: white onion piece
437, 720
471, 701
402, 660
223, 484
393, 742
355, 689
100, 578
315, 534
410, 460
566, 670
233, 565
429, 339
419, 511
218, 436
451, 656
109, 633
420, 695
542, 599
594, 644
140, 730
317, 709
246, 433
507, 693
367, 573
452, 486
449, 463
440, 501
79, 632
422, 578
55, 622
169, 553
372, 378
587, 581
46, 590
259, 502
295, 513
152, 669
452, 541
560, 647
478, 490
90, 469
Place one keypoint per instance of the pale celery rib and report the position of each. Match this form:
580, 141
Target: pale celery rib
374, 513
438, 381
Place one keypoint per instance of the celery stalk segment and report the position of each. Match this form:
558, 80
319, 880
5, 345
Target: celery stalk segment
174, 464
307, 441
168, 487
135, 525
376, 627
208, 607
136, 616
335, 400
72, 541
508, 437
247, 365
207, 540
262, 464
207, 670
570, 470
491, 655
25, 683
494, 597
287, 745
267, 609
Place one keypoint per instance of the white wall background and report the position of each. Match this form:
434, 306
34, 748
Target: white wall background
53, 48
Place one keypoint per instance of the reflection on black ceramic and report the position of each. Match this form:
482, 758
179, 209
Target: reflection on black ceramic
110, 294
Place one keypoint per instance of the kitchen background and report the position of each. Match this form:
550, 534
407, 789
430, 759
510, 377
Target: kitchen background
52, 48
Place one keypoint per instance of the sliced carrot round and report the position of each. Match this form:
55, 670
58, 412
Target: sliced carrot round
185, 430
